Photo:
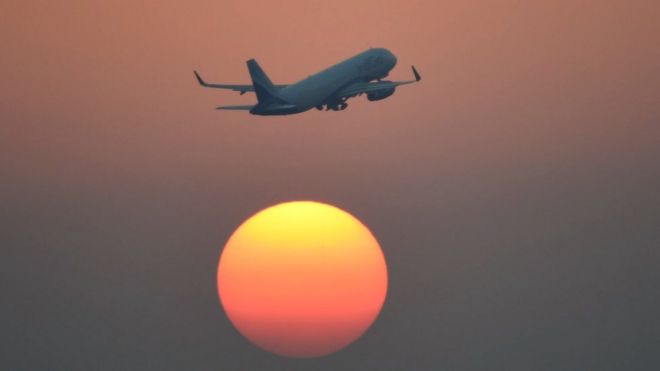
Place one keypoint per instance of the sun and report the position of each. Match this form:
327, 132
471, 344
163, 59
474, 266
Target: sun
302, 279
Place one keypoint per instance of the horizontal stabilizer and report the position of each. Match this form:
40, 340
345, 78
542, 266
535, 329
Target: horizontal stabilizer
236, 108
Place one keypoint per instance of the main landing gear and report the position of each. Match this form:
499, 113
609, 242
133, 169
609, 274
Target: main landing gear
339, 107
335, 106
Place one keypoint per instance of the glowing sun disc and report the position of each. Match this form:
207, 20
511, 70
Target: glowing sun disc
302, 279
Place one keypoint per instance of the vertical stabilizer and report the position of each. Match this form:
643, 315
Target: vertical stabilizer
262, 85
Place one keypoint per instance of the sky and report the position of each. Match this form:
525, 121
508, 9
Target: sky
514, 190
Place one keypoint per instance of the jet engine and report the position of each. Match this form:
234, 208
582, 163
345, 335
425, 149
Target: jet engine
380, 94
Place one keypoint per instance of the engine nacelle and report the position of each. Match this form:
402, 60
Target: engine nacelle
380, 94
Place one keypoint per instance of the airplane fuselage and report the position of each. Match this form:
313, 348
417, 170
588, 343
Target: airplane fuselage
318, 89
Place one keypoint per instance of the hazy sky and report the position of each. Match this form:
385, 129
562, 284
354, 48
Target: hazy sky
515, 190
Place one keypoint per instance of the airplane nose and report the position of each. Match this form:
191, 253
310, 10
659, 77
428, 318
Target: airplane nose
391, 59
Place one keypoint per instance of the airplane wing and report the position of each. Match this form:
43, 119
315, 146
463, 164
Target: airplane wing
368, 87
235, 87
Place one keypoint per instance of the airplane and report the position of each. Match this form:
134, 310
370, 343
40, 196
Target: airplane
329, 89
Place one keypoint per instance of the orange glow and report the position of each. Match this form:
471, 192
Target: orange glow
302, 279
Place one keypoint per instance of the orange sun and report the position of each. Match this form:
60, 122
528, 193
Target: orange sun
302, 279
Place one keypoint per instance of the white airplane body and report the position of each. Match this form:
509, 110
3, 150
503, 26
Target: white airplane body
329, 88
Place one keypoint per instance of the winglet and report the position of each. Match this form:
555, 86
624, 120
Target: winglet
417, 76
199, 79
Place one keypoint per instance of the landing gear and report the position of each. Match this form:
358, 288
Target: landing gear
336, 106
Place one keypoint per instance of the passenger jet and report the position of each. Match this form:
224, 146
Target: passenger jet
329, 89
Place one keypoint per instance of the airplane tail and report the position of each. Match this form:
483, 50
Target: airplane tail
262, 85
